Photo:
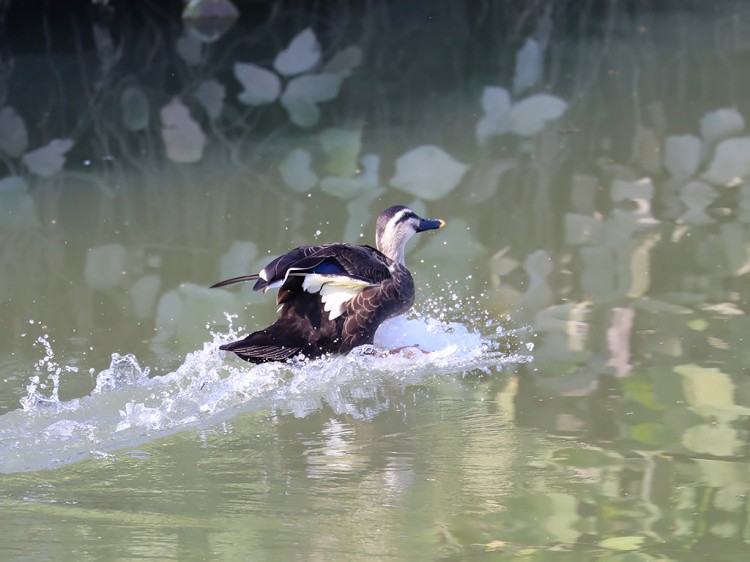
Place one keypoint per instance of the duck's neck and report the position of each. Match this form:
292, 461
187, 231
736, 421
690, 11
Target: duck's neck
395, 252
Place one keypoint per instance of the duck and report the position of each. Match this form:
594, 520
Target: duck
333, 297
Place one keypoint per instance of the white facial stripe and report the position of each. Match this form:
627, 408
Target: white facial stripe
398, 216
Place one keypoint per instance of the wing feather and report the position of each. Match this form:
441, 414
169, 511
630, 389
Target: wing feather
335, 290
338, 272
276, 270
239, 279
262, 352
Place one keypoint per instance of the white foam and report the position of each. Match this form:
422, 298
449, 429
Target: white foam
128, 407
428, 333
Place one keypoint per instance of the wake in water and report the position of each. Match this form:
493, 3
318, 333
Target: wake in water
128, 407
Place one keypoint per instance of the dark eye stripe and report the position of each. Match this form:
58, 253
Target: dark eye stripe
405, 217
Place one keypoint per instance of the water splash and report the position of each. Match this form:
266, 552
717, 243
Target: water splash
123, 371
128, 407
51, 370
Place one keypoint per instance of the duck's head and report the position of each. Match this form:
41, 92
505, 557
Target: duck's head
396, 225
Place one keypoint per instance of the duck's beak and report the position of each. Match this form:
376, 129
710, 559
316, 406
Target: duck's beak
430, 224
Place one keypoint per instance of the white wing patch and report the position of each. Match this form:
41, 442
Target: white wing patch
335, 290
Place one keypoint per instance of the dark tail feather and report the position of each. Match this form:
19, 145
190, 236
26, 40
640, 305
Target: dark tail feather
254, 348
233, 280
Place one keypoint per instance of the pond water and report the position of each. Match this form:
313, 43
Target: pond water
588, 393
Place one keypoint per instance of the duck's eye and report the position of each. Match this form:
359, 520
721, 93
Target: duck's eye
407, 217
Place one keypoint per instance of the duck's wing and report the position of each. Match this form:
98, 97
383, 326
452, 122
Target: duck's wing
337, 272
274, 273
362, 263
